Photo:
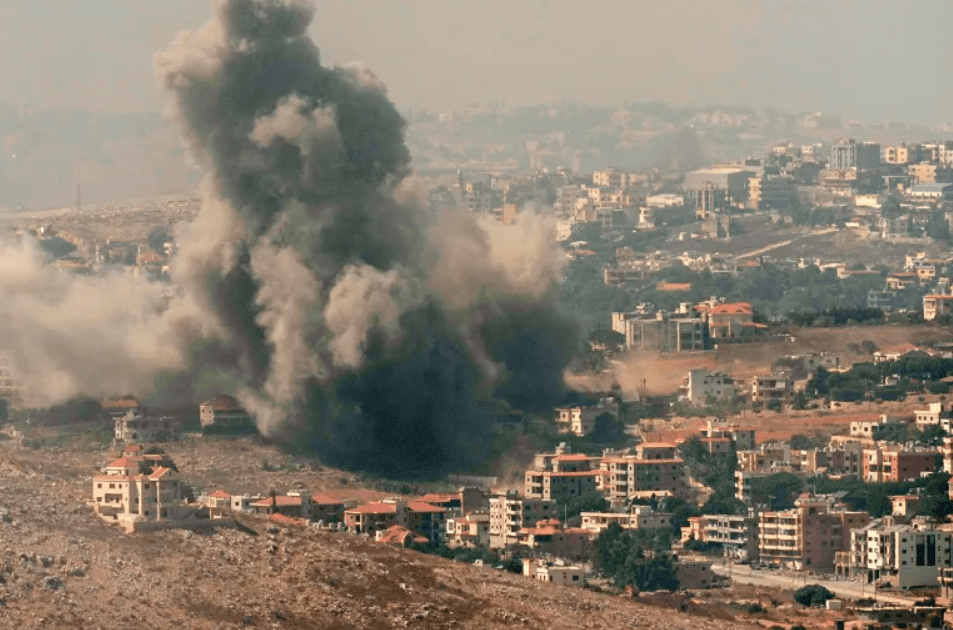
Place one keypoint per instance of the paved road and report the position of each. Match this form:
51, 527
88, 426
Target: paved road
743, 574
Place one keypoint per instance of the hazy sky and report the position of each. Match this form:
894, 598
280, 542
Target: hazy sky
868, 59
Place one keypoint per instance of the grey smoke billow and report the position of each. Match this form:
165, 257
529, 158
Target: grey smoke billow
318, 289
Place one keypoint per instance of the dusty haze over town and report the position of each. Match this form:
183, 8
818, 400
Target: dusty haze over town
858, 58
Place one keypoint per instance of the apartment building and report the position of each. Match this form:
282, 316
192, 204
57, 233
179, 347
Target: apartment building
638, 517
550, 537
131, 490
701, 387
935, 306
510, 513
224, 414
894, 462
908, 556
766, 457
737, 534
581, 421
807, 536
936, 414
417, 516
744, 439
135, 428
472, 530
776, 387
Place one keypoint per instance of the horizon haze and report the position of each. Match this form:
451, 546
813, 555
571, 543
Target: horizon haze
844, 57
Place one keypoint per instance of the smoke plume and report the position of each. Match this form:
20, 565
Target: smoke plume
312, 285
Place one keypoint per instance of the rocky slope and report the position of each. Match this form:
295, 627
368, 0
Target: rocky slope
60, 567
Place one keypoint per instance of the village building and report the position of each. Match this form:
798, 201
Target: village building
472, 530
134, 490
509, 513
135, 428
224, 414
557, 573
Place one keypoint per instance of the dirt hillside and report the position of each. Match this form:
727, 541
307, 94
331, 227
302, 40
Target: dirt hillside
62, 568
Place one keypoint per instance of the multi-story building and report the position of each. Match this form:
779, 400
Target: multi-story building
552, 538
847, 154
472, 530
744, 439
701, 387
225, 414
665, 333
936, 305
716, 189
893, 462
730, 320
136, 428
907, 555
416, 516
510, 513
779, 387
582, 420
936, 414
131, 490
737, 534
807, 536
638, 517
899, 154
654, 468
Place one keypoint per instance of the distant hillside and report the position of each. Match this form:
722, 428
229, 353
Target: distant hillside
44, 154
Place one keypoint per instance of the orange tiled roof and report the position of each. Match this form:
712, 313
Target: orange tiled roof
397, 535
736, 308
374, 508
118, 403
219, 494
280, 501
124, 462
420, 506
158, 473
286, 520
223, 402
656, 445
322, 498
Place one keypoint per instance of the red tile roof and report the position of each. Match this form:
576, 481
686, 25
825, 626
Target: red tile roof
571, 457
584, 473
124, 462
656, 445
158, 473
736, 308
107, 404
420, 506
223, 402
219, 494
398, 535
322, 498
374, 508
279, 501
286, 520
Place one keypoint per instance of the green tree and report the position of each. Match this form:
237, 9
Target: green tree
56, 247
588, 502
158, 237
812, 595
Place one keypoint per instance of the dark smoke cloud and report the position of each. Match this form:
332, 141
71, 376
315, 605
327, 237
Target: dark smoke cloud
315, 285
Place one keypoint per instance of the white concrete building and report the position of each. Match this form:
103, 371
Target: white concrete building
907, 555
510, 513
701, 386
638, 517
554, 573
